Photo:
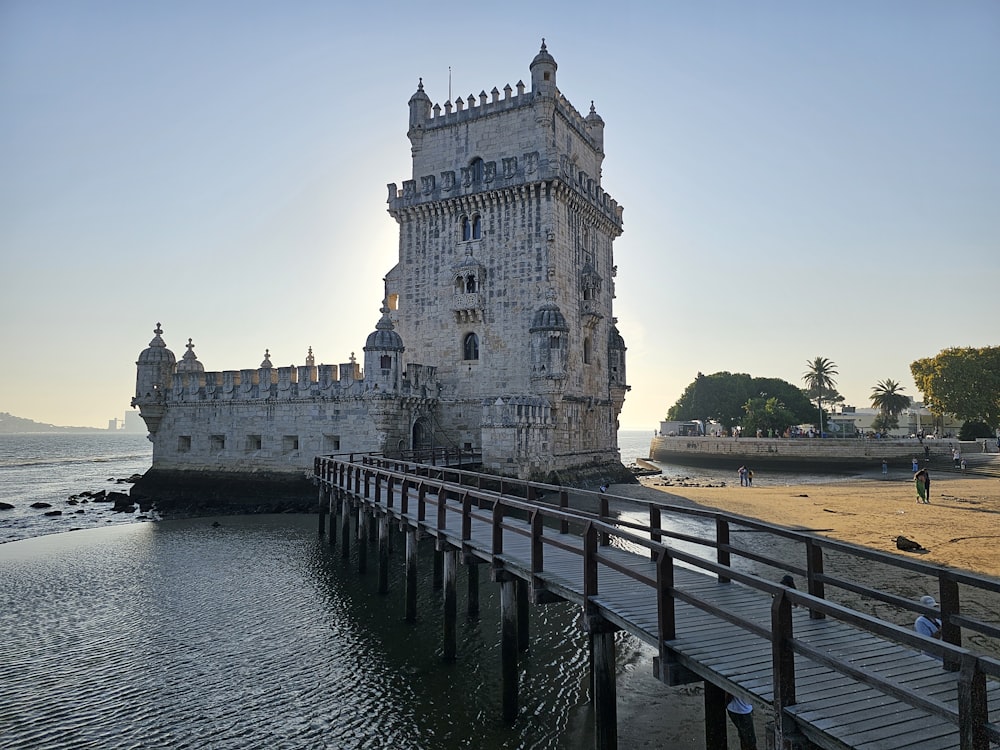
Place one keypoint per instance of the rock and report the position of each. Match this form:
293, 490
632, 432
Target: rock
53, 513
98, 497
72, 501
6, 506
41, 505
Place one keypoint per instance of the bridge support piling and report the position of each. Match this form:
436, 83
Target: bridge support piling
331, 498
508, 645
362, 539
602, 651
523, 636
715, 717
322, 509
345, 525
410, 596
383, 554
450, 604
473, 593
438, 576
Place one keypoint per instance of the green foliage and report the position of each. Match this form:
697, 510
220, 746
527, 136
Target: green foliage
963, 381
767, 414
887, 396
972, 430
723, 395
819, 381
884, 422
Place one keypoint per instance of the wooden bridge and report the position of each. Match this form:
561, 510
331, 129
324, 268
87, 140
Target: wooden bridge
836, 677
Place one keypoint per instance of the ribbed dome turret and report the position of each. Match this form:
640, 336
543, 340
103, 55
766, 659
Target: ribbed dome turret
157, 352
543, 57
384, 337
190, 363
549, 317
593, 118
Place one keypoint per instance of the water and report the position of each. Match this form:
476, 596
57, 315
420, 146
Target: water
634, 444
249, 634
51, 467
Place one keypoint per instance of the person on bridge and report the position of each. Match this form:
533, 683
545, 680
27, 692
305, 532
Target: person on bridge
741, 714
929, 626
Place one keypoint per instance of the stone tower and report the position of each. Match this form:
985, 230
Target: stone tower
505, 277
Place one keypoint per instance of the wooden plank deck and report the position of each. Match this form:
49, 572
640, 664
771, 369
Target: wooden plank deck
832, 709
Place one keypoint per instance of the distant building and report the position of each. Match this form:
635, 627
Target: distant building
496, 333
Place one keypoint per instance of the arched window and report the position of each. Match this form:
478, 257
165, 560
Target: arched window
472, 228
477, 227
459, 284
386, 362
470, 283
466, 229
470, 346
586, 351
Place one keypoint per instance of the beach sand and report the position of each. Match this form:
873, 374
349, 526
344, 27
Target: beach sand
960, 529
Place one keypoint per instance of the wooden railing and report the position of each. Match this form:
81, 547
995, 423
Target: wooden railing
521, 508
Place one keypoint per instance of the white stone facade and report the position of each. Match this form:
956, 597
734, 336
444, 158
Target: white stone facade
497, 332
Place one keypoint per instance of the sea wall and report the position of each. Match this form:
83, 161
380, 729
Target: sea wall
798, 453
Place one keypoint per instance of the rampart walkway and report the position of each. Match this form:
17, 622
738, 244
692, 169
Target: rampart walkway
835, 677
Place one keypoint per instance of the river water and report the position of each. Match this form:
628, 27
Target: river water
251, 633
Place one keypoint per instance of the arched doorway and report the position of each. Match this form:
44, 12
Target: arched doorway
421, 435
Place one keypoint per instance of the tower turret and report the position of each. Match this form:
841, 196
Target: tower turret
595, 126
382, 352
154, 371
543, 73
420, 113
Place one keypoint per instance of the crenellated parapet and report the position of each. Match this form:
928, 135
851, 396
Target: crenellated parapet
510, 177
517, 411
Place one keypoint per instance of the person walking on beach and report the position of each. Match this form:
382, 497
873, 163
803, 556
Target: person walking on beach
915, 465
749, 477
885, 467
922, 481
742, 471
741, 714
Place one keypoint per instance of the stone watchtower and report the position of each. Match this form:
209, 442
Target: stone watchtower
505, 277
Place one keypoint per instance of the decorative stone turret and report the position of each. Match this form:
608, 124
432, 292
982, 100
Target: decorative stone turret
189, 362
549, 349
595, 126
543, 73
420, 113
154, 373
382, 353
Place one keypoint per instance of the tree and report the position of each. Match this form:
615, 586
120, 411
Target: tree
888, 398
963, 381
722, 396
819, 379
766, 414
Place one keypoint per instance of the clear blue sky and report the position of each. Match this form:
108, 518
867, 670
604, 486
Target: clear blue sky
799, 180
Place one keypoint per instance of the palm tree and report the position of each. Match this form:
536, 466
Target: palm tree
819, 378
888, 398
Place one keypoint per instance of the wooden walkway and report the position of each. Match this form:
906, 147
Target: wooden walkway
836, 678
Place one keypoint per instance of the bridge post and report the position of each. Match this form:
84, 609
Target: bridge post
362, 539
655, 525
331, 497
508, 644
410, 595
322, 508
783, 667
814, 569
345, 524
973, 709
473, 592
602, 661
450, 646
722, 544
437, 579
523, 640
950, 605
715, 717
383, 553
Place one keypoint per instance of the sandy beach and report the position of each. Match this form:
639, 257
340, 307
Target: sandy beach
959, 528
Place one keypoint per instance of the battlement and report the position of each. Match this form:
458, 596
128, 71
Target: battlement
513, 171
